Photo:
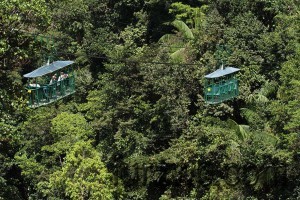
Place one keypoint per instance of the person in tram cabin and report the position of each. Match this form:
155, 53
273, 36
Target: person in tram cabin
66, 75
53, 79
62, 84
34, 85
50, 88
62, 76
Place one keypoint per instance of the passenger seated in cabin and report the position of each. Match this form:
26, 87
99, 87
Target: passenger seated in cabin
62, 76
53, 79
34, 84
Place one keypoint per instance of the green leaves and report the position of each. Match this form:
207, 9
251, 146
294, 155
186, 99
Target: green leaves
193, 16
184, 29
240, 130
140, 117
180, 42
83, 175
68, 124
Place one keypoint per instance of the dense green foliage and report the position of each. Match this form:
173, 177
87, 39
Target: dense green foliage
138, 127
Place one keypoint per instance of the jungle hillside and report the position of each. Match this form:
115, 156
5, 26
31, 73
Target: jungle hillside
138, 126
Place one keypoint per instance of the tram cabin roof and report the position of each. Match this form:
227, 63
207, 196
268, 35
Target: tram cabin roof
49, 68
222, 72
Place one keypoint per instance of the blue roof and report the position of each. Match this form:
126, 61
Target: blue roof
49, 68
222, 72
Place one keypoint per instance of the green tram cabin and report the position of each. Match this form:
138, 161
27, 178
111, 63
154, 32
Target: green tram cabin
50, 83
221, 85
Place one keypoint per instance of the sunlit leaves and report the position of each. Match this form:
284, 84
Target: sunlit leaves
83, 175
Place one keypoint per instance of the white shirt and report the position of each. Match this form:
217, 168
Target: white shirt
34, 85
51, 81
61, 77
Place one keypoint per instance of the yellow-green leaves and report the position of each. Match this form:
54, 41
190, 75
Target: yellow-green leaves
83, 175
68, 124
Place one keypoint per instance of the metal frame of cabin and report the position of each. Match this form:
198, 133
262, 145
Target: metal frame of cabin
221, 85
44, 94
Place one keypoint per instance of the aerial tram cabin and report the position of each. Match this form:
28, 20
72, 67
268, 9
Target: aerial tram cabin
221, 85
50, 83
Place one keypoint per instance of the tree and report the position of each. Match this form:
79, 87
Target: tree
180, 43
47, 139
138, 115
83, 175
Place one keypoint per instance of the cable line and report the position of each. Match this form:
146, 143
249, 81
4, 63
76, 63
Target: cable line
132, 61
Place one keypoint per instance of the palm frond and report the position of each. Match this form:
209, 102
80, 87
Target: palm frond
258, 98
178, 55
168, 39
183, 28
270, 87
241, 131
265, 137
262, 178
250, 115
